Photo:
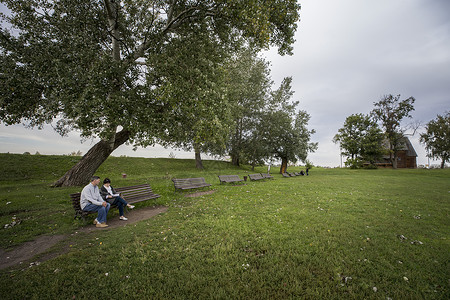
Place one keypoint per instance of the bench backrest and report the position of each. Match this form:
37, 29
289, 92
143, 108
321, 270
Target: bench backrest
255, 176
75, 197
185, 182
137, 192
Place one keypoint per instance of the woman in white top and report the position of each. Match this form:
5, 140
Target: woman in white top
109, 195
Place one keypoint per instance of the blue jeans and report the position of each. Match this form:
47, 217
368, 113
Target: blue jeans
121, 203
102, 211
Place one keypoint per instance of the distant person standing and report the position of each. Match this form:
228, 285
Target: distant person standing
307, 169
91, 200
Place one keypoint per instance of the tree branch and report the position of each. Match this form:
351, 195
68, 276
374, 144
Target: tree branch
172, 24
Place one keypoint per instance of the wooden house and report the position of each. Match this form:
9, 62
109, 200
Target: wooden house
406, 156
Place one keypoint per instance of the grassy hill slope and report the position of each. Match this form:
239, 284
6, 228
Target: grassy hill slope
336, 234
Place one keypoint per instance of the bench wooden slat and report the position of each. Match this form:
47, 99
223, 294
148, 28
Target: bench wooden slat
189, 183
229, 178
132, 193
255, 176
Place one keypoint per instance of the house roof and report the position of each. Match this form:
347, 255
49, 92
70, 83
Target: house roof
405, 146
408, 147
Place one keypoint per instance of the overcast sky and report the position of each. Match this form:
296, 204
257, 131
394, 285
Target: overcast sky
347, 55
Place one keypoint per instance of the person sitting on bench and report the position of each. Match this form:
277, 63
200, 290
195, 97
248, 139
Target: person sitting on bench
109, 194
91, 200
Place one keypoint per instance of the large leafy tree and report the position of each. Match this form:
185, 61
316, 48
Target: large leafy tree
194, 125
284, 129
390, 111
437, 138
248, 90
360, 140
88, 65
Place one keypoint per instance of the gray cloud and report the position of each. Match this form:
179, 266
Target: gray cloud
350, 53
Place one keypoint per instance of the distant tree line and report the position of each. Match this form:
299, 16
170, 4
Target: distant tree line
367, 138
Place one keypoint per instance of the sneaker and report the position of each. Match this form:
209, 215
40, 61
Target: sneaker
131, 206
95, 221
123, 218
101, 225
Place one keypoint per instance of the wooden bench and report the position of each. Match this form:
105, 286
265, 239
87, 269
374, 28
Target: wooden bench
266, 176
229, 178
189, 183
255, 176
131, 194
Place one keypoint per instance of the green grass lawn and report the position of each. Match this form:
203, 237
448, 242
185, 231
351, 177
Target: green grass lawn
336, 234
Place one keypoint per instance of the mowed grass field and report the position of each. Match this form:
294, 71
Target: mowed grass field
336, 234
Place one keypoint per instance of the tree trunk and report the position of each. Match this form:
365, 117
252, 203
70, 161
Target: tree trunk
81, 173
443, 163
283, 168
236, 147
198, 158
394, 161
235, 160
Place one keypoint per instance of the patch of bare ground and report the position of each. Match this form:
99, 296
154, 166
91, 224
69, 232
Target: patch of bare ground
41, 246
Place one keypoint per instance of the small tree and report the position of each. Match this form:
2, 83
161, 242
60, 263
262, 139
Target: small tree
372, 145
390, 111
437, 138
308, 164
254, 149
360, 140
285, 130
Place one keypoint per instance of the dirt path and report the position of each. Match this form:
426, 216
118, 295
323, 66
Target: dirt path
27, 251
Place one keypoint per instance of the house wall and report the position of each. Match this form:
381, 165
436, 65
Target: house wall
405, 161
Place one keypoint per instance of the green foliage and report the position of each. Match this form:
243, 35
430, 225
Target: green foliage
390, 111
94, 64
437, 138
130, 71
200, 114
284, 129
354, 163
360, 140
248, 91
308, 164
266, 124
335, 234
